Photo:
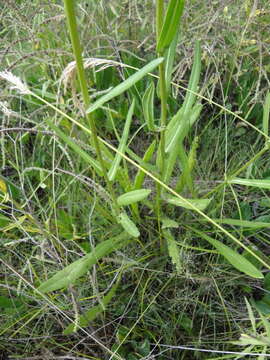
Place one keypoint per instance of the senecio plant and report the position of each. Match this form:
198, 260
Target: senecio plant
160, 161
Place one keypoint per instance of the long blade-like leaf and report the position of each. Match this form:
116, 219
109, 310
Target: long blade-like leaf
174, 139
200, 204
233, 257
121, 148
182, 127
244, 223
259, 183
139, 179
72, 272
169, 56
148, 106
125, 85
171, 24
132, 197
194, 79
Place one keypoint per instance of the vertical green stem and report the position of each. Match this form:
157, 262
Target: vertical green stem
162, 83
163, 118
77, 51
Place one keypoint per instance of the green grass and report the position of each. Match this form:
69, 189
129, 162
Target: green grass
140, 230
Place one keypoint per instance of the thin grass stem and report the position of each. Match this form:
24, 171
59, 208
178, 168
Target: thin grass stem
163, 98
242, 168
77, 51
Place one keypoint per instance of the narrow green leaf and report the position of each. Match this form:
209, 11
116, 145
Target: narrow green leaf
128, 225
174, 251
266, 110
243, 223
175, 137
187, 164
259, 340
171, 24
194, 79
148, 106
122, 145
139, 179
259, 183
251, 316
266, 325
169, 223
132, 197
200, 204
92, 313
86, 157
72, 272
186, 176
169, 60
125, 85
234, 258
192, 86
183, 123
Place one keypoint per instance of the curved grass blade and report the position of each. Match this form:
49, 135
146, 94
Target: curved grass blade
139, 179
122, 145
125, 85
259, 183
194, 79
187, 164
132, 197
183, 123
148, 106
190, 94
234, 258
171, 24
200, 204
170, 55
175, 143
244, 223
72, 272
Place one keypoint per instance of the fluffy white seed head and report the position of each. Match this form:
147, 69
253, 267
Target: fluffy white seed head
15, 81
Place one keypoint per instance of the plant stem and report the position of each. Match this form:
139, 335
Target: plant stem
77, 51
162, 86
163, 117
159, 17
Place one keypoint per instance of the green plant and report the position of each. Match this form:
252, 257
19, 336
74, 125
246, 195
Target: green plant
172, 134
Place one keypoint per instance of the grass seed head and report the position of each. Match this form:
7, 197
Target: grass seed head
15, 81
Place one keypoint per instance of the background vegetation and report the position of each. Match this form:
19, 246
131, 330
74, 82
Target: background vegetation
175, 291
